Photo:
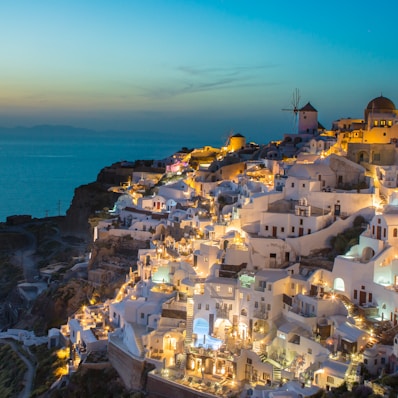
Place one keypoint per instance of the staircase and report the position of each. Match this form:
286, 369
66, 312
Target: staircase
276, 373
189, 327
351, 307
140, 347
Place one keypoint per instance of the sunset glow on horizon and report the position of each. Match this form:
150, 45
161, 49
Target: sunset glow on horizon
191, 66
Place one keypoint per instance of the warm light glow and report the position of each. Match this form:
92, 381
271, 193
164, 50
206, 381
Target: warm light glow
63, 353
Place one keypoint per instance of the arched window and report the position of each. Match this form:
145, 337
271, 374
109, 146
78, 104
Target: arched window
339, 284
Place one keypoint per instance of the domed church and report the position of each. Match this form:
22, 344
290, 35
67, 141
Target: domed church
380, 112
374, 139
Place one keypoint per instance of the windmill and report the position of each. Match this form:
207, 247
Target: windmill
294, 108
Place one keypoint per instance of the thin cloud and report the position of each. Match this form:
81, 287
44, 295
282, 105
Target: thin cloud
196, 80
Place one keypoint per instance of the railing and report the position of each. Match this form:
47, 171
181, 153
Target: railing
260, 314
222, 313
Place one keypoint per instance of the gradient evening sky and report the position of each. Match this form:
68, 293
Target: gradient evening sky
183, 66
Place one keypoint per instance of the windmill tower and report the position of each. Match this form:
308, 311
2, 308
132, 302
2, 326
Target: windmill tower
294, 109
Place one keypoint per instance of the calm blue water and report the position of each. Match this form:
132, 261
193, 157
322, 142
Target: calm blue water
41, 167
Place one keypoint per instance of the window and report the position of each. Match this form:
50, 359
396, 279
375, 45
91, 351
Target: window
375, 362
330, 380
355, 294
383, 361
230, 307
199, 306
229, 289
292, 229
142, 315
382, 122
217, 306
241, 295
268, 307
256, 304
365, 361
218, 288
384, 232
292, 184
269, 286
266, 227
309, 351
248, 297
292, 285
249, 361
309, 231
282, 229
301, 221
303, 185
395, 232
207, 307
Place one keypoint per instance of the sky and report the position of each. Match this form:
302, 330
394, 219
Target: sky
193, 67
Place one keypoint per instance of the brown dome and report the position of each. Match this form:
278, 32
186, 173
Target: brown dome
381, 104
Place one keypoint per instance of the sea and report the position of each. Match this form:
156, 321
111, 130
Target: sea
41, 166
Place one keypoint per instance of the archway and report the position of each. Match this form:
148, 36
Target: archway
362, 156
339, 284
367, 254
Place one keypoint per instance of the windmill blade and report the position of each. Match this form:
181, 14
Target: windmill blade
295, 106
296, 99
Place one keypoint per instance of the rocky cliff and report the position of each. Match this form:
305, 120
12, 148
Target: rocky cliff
87, 200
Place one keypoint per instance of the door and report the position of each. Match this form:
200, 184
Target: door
362, 298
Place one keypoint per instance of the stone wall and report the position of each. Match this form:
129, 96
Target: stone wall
132, 371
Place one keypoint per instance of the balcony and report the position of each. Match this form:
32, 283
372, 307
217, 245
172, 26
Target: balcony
260, 314
222, 313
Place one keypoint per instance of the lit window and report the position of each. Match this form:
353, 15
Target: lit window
218, 288
229, 289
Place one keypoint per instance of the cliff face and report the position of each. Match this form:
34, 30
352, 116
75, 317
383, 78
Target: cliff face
95, 196
86, 201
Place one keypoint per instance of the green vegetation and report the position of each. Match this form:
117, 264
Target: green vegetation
342, 242
49, 368
104, 383
12, 371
